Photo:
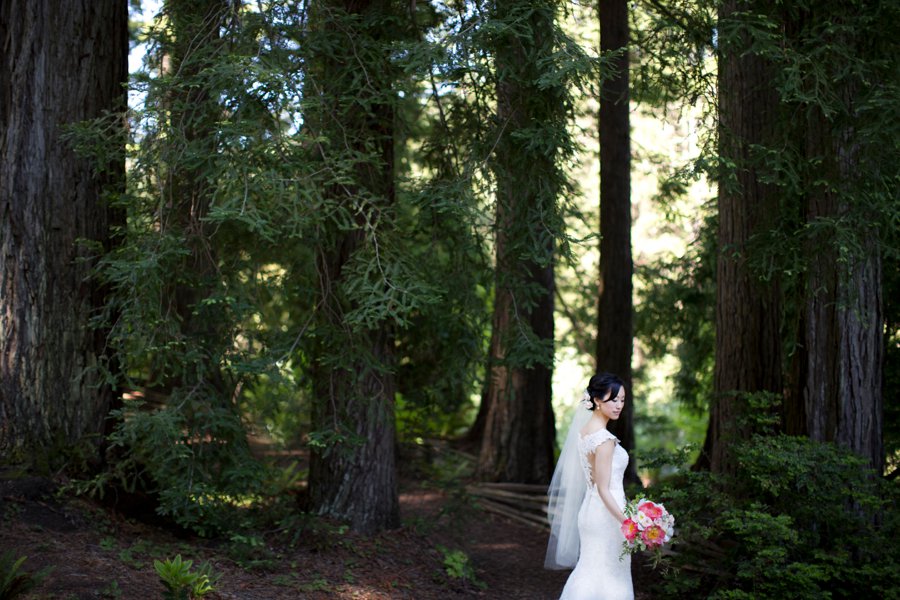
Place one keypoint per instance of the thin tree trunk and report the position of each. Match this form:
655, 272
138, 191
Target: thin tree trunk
62, 63
748, 346
194, 111
615, 329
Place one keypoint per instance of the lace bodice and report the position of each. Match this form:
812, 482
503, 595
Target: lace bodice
586, 446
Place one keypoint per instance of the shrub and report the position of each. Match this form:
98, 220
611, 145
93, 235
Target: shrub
800, 519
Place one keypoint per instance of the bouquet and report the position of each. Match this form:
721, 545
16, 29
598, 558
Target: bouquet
647, 526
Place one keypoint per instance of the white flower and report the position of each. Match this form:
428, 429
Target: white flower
586, 400
643, 520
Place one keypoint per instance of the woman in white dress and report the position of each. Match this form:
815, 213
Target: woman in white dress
587, 500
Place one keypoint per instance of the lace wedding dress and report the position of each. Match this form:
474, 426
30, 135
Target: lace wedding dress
599, 574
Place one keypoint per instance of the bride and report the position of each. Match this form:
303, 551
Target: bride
587, 500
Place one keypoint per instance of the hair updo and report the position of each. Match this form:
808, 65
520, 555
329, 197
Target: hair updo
601, 384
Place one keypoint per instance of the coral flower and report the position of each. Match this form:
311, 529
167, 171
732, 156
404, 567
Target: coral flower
629, 529
653, 536
651, 510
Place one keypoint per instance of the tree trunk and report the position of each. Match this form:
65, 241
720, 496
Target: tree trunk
518, 439
353, 477
748, 346
62, 62
517, 414
841, 349
615, 329
194, 112
353, 469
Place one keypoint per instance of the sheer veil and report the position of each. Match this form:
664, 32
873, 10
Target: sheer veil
565, 495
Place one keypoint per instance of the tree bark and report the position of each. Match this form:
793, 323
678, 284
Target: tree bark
353, 473
836, 388
517, 414
748, 346
519, 427
615, 330
62, 63
841, 349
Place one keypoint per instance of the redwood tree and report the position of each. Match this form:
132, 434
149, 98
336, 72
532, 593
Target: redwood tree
518, 427
615, 331
351, 76
837, 392
192, 104
62, 63
747, 350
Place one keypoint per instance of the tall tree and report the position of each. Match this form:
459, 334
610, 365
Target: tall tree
837, 393
63, 62
518, 426
615, 329
189, 51
351, 77
747, 351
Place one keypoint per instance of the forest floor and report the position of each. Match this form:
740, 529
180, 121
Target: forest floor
446, 548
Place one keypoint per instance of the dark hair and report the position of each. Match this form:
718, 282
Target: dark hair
601, 384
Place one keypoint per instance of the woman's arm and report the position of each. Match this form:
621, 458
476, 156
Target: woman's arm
602, 470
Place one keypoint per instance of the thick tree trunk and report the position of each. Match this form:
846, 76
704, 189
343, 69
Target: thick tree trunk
354, 477
836, 388
518, 425
615, 329
353, 474
62, 62
748, 346
841, 347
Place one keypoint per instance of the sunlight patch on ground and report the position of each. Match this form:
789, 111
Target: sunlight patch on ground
356, 591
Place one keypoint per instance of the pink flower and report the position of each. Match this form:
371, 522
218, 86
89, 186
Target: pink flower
650, 509
629, 529
654, 536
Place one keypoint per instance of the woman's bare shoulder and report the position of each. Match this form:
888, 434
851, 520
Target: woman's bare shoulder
596, 432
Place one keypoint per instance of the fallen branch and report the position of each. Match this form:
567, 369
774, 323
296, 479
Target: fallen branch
511, 513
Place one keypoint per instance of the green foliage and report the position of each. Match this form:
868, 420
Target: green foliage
180, 582
458, 566
800, 519
673, 48
675, 315
201, 483
835, 74
235, 194
15, 582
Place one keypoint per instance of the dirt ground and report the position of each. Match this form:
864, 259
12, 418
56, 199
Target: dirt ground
95, 552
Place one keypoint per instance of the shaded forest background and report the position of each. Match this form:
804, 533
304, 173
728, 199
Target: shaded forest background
364, 230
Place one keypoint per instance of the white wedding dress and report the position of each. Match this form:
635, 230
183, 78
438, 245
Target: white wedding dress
599, 574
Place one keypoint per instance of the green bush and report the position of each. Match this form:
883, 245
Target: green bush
800, 519
201, 470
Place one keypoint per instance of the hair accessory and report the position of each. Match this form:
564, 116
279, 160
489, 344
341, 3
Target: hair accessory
586, 400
